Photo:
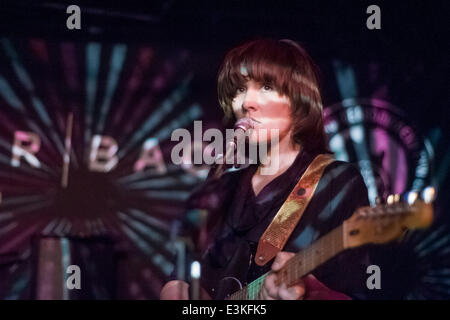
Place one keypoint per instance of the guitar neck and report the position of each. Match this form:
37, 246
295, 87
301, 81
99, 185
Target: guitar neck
300, 265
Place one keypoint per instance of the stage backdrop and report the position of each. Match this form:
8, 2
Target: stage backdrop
85, 155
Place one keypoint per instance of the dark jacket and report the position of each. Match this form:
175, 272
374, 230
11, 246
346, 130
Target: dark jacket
238, 218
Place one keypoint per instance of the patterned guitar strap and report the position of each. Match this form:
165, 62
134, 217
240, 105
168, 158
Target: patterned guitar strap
277, 233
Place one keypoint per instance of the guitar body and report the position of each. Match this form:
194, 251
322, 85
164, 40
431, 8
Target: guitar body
234, 275
228, 285
240, 269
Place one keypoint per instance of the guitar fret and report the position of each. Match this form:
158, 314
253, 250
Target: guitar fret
332, 247
323, 252
288, 273
308, 259
261, 283
319, 252
254, 287
303, 262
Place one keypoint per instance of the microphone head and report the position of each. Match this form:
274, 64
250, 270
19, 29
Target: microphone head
244, 124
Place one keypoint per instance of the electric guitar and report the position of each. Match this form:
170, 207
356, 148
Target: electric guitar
379, 224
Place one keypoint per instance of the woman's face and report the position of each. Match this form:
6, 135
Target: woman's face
266, 106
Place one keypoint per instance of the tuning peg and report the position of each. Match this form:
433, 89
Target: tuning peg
428, 194
412, 197
390, 199
393, 198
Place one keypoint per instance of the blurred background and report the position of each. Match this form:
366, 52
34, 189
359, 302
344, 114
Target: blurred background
137, 70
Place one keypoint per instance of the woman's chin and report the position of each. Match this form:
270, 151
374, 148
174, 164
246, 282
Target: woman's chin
258, 141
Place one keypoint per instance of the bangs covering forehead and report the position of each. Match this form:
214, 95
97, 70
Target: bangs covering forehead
262, 63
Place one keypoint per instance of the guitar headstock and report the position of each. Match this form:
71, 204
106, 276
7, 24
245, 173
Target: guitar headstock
385, 222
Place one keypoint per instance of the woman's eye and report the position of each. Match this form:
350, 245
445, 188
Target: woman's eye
267, 88
241, 89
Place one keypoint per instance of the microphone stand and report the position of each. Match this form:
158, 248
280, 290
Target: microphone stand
197, 218
229, 153
188, 249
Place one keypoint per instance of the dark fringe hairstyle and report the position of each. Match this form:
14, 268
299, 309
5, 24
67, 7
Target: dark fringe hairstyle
290, 69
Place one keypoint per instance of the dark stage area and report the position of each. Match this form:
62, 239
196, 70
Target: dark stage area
86, 118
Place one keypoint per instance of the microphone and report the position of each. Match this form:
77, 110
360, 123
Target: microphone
240, 128
244, 124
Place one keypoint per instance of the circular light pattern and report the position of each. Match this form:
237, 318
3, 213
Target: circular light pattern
376, 136
123, 101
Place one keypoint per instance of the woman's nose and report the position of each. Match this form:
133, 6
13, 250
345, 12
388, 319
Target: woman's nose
250, 101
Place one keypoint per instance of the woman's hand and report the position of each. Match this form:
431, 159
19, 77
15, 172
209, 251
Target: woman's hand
309, 288
179, 290
270, 291
175, 290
